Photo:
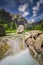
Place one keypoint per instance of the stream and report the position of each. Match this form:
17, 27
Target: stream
21, 56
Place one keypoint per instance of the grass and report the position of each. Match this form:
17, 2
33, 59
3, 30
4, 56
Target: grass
14, 31
26, 30
10, 31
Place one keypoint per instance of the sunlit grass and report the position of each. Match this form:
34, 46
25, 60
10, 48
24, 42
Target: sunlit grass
26, 30
14, 31
10, 31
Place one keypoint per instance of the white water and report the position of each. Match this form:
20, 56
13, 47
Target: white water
22, 58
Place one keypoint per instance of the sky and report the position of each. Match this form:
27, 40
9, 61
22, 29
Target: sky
32, 10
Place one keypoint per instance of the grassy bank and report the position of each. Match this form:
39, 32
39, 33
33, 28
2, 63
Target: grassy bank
10, 31
14, 31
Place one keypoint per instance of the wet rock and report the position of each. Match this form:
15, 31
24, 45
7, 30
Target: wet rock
20, 29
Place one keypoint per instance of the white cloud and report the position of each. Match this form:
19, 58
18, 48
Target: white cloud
38, 4
39, 17
22, 8
33, 20
25, 14
34, 13
36, 9
41, 1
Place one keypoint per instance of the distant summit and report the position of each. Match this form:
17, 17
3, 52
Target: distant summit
19, 20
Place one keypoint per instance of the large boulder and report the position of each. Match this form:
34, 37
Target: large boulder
34, 40
32, 34
20, 29
39, 44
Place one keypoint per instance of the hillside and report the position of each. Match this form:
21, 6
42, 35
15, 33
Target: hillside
19, 20
5, 16
36, 25
11, 20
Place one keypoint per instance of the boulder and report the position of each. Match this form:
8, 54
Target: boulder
32, 34
39, 44
20, 29
35, 34
30, 41
27, 35
34, 41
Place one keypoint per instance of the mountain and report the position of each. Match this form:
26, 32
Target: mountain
12, 21
5, 16
36, 25
19, 20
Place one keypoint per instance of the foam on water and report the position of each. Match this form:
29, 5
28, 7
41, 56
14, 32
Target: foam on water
22, 58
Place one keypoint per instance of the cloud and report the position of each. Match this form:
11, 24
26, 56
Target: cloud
41, 1
38, 3
33, 20
22, 8
25, 14
38, 18
36, 9
34, 13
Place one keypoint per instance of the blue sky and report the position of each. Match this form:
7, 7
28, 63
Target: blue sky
32, 10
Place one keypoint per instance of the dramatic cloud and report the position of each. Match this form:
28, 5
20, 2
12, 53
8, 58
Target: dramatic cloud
41, 1
25, 14
22, 8
27, 8
32, 19
39, 17
36, 9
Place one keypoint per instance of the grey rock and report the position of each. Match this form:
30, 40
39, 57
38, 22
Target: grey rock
20, 29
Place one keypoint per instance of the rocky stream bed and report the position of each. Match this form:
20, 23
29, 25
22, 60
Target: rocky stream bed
14, 43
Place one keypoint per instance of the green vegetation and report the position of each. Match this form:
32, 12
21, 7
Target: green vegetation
6, 21
38, 26
10, 31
